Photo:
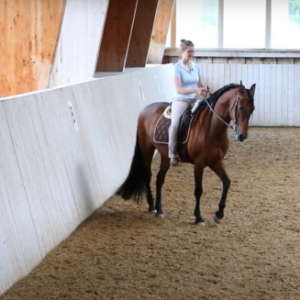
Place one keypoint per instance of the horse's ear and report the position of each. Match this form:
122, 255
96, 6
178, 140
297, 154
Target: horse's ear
252, 89
241, 87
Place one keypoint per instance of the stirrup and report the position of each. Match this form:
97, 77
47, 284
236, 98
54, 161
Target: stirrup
177, 164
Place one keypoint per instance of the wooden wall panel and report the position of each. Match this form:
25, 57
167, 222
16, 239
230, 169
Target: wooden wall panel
28, 35
141, 33
160, 31
116, 36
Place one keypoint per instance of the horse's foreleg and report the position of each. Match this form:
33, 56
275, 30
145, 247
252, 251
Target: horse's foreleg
198, 174
160, 179
219, 169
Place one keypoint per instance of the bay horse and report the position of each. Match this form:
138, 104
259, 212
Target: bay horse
202, 141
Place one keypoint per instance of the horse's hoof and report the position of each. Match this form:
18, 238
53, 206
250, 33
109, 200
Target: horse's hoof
217, 220
202, 223
153, 211
160, 215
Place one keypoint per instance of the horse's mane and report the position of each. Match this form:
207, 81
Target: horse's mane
212, 100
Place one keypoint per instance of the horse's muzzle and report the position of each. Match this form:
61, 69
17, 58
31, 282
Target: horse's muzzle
240, 137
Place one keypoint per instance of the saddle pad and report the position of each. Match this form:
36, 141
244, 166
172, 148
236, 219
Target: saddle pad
161, 131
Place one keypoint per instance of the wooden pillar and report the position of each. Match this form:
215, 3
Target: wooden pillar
141, 33
116, 35
268, 24
173, 26
160, 31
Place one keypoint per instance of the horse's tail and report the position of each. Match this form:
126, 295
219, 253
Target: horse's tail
134, 184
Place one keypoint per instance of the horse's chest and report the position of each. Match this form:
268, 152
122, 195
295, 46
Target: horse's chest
217, 150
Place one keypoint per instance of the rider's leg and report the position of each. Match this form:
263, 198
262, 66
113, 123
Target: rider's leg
178, 108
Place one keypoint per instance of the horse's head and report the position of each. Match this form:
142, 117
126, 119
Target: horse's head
241, 110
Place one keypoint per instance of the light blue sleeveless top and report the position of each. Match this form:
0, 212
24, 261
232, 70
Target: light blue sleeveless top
189, 79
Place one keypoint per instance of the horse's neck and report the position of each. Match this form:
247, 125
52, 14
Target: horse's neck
222, 110
224, 106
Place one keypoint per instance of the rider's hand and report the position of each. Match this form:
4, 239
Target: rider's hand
201, 90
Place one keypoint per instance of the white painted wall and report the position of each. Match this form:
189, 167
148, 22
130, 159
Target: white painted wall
53, 176
277, 95
79, 41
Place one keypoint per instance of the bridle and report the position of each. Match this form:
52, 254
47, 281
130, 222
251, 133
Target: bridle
235, 105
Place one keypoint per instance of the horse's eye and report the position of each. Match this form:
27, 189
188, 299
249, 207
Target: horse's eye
240, 107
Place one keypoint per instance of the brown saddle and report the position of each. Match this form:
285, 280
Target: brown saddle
161, 131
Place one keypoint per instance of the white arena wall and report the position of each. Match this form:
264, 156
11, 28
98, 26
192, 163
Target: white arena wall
277, 95
55, 173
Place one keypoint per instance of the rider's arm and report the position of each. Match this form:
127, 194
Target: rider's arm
178, 84
179, 89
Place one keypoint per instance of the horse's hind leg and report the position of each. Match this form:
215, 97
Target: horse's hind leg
160, 179
148, 156
150, 199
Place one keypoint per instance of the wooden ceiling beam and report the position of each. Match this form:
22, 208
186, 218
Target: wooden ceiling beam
160, 31
116, 35
141, 33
